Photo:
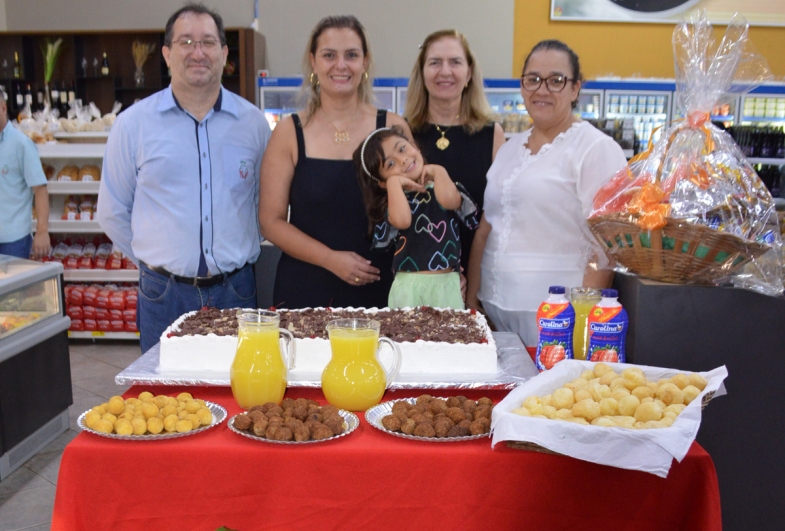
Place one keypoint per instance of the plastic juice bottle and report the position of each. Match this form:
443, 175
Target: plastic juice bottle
582, 300
608, 324
258, 372
353, 379
555, 323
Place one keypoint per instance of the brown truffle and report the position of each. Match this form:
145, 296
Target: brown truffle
391, 423
408, 427
242, 422
424, 430
335, 424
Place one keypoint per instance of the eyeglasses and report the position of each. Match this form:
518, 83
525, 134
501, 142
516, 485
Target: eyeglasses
189, 45
555, 83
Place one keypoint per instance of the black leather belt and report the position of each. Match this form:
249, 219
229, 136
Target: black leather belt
199, 282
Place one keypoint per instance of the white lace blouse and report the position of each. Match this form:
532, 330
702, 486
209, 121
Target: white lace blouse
537, 207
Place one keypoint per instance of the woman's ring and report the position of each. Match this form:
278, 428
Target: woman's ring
357, 279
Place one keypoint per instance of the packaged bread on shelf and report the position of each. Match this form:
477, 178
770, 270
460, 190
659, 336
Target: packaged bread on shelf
86, 208
90, 172
70, 209
49, 171
68, 173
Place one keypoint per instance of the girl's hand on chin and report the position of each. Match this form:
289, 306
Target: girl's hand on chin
408, 184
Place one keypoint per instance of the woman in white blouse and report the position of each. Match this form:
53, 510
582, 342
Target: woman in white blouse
533, 233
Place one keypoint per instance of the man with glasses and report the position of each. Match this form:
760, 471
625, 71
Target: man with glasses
180, 183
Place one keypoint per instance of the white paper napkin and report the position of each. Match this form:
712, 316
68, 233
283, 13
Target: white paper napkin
651, 450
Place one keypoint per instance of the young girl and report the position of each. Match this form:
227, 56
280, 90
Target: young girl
417, 206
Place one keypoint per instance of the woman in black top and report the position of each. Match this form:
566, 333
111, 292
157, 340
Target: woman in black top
450, 117
307, 165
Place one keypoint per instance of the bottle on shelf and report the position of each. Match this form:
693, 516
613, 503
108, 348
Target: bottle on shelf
54, 96
105, 66
39, 98
17, 68
63, 100
20, 97
29, 96
72, 92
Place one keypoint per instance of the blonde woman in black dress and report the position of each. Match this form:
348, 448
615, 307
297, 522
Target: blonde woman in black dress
450, 117
308, 165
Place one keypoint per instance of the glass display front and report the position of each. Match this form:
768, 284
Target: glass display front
27, 305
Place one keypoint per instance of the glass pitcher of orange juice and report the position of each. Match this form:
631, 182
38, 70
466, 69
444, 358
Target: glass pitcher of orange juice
258, 372
354, 379
582, 300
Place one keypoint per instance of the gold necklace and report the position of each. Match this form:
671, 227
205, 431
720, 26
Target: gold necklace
342, 135
442, 143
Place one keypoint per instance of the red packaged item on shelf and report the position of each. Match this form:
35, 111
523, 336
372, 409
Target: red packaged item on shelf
90, 325
104, 325
74, 312
102, 254
101, 314
90, 294
131, 297
102, 299
115, 260
129, 315
77, 325
76, 295
88, 312
117, 325
129, 264
131, 326
117, 300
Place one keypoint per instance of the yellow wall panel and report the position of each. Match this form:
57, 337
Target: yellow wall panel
622, 49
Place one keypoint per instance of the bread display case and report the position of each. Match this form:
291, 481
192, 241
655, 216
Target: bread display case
35, 373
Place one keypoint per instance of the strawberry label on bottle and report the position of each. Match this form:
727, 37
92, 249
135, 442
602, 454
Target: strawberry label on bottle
555, 323
607, 331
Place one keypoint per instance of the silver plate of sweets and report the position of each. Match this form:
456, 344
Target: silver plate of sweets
351, 422
375, 415
218, 411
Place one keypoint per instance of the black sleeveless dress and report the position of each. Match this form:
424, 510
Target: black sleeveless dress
467, 160
327, 205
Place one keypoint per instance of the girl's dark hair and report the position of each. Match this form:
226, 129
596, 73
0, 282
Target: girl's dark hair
374, 196
559, 46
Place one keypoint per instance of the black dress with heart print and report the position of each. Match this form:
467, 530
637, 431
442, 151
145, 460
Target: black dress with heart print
433, 240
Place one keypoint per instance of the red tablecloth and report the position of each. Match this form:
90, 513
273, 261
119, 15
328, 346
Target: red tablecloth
366, 480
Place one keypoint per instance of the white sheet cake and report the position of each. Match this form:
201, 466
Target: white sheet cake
432, 341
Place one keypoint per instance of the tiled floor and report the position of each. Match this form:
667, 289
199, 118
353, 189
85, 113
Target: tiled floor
27, 495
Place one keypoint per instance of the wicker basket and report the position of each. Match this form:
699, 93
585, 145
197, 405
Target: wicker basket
679, 252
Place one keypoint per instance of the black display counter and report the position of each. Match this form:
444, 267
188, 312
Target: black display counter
698, 328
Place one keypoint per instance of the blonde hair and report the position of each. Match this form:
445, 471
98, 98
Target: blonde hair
309, 97
475, 112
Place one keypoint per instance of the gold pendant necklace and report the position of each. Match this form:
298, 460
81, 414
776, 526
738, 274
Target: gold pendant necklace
443, 143
342, 135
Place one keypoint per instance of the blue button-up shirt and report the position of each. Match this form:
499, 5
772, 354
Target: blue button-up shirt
20, 170
166, 176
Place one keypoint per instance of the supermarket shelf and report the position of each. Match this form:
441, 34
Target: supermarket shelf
763, 119
81, 227
71, 151
104, 335
758, 160
101, 275
73, 187
659, 115
84, 135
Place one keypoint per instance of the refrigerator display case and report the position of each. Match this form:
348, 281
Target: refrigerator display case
278, 96
35, 373
725, 114
648, 106
762, 121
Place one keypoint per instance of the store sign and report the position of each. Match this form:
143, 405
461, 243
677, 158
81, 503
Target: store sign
757, 12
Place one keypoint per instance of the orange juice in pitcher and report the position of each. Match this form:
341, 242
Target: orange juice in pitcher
258, 372
354, 379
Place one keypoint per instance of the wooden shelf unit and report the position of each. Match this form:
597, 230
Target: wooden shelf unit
246, 51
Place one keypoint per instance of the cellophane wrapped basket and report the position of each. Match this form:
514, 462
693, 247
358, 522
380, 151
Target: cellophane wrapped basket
691, 209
